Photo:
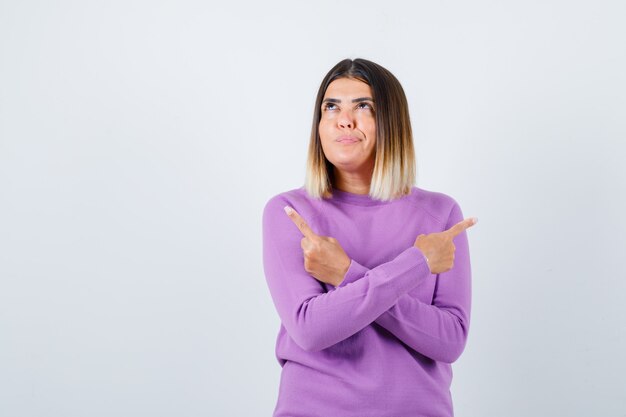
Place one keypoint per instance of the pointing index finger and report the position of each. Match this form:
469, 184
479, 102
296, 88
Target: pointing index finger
300, 223
462, 225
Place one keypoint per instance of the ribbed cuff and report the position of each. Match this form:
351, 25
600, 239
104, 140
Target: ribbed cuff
410, 260
354, 273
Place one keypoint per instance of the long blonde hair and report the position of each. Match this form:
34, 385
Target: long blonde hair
394, 166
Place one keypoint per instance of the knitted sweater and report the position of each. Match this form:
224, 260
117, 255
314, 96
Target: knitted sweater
381, 342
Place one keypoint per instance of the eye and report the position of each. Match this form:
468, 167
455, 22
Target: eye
329, 106
364, 105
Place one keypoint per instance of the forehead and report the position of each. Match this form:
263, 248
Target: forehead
348, 87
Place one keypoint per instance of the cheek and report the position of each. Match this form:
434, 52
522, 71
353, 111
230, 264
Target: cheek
323, 128
368, 125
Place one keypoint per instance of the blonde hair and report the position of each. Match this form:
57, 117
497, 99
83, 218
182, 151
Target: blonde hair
394, 166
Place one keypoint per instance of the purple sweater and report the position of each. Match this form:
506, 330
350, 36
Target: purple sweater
381, 342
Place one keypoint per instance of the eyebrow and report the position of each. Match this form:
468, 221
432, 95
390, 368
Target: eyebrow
356, 100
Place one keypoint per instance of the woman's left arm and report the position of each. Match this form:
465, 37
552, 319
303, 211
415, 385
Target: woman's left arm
438, 330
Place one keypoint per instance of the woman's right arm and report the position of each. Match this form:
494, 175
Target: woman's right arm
438, 330
316, 319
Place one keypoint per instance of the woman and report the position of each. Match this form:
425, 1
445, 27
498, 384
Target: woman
370, 274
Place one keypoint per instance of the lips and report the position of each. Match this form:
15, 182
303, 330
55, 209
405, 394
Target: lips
348, 139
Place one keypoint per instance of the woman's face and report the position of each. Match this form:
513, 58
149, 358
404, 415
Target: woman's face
347, 126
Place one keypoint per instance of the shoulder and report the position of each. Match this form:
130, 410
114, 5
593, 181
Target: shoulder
297, 198
436, 204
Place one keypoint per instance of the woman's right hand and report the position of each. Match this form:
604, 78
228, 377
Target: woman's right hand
438, 248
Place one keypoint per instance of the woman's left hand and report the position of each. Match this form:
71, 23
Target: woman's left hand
324, 258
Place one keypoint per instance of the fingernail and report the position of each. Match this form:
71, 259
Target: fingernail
288, 209
475, 219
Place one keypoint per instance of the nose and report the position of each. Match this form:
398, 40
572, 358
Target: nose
345, 120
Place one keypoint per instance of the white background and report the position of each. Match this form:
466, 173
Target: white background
140, 141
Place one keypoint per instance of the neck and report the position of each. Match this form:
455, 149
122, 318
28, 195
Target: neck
353, 182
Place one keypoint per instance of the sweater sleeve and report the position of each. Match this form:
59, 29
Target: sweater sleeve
438, 330
316, 319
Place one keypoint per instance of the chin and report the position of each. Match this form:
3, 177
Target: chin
347, 163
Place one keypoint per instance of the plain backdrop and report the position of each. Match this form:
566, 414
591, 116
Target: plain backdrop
140, 141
